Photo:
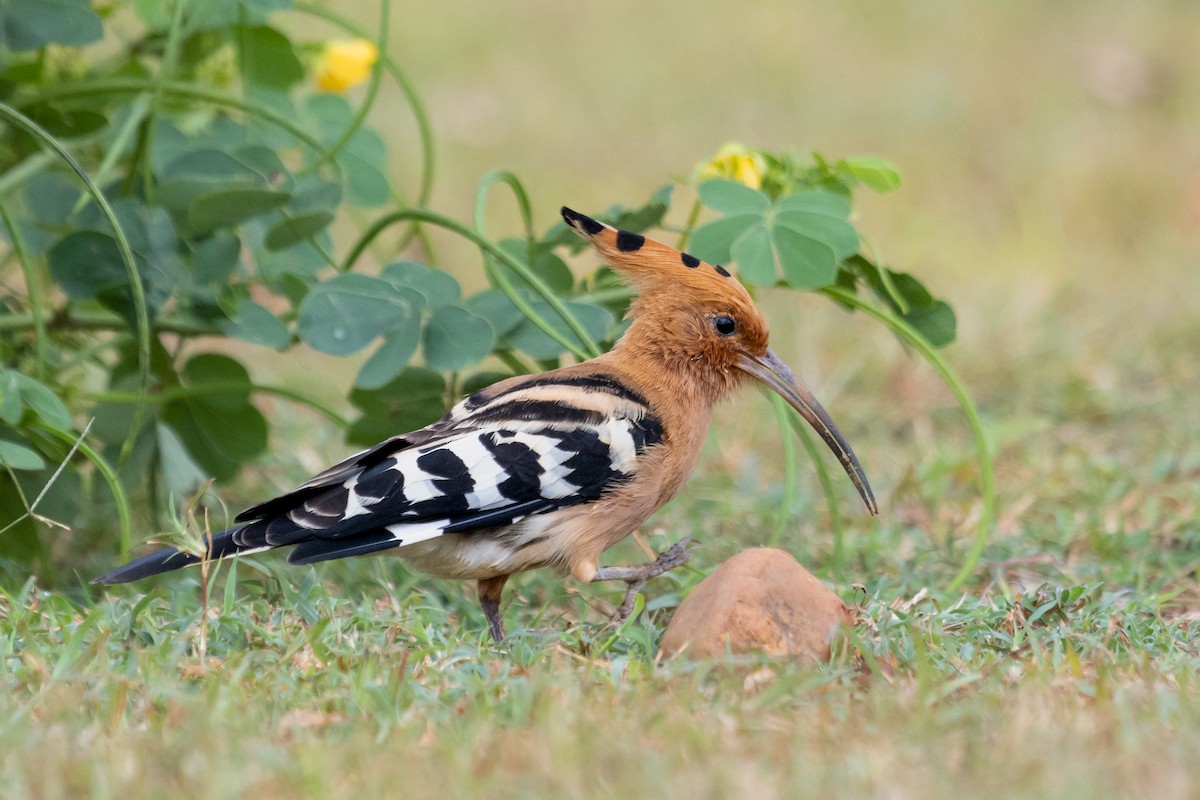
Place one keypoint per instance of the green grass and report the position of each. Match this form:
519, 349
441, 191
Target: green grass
370, 686
1058, 215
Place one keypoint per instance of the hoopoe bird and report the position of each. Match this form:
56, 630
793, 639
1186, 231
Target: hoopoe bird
545, 470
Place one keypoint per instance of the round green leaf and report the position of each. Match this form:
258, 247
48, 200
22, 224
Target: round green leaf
169, 144
11, 406
266, 164
643, 218
820, 215
214, 368
201, 171
344, 314
435, 287
530, 339
816, 201
807, 263
754, 256
220, 427
911, 289
180, 471
88, 265
215, 259
455, 338
156, 254
268, 58
66, 123
331, 113
731, 197
210, 164
300, 262
877, 173
253, 323
839, 234
547, 266
85, 263
43, 402
51, 196
314, 195
292, 230
497, 309
936, 322
224, 208
714, 242
30, 24
18, 456
362, 157
392, 356
412, 400
362, 160
220, 440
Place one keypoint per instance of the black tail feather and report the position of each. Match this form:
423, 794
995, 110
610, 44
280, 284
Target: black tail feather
314, 550
168, 559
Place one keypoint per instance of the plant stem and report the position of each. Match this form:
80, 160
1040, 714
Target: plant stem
110, 477
497, 277
368, 102
492, 178
424, 129
885, 275
693, 215
105, 320
185, 91
789, 472
987, 483
136, 290
137, 113
609, 295
215, 387
831, 496
512, 362
166, 67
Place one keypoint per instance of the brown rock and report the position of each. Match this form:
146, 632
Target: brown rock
760, 600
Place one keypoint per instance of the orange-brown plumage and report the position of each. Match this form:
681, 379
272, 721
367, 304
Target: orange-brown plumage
546, 470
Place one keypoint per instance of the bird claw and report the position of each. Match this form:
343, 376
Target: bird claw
636, 577
680, 553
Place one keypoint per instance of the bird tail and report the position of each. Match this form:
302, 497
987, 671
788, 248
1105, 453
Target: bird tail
167, 559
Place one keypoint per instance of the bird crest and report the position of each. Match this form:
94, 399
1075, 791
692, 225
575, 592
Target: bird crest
679, 299
651, 266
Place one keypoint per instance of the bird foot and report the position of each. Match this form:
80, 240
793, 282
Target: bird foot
635, 577
491, 610
491, 592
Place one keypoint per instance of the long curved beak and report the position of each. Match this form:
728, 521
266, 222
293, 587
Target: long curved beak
772, 372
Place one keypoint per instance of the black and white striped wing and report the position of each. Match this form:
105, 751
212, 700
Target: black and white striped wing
478, 478
526, 445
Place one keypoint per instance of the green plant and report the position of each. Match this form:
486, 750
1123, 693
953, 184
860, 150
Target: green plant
183, 186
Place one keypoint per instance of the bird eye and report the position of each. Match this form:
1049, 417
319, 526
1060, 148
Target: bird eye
726, 326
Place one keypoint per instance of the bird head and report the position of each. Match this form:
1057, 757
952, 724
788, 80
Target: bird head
696, 320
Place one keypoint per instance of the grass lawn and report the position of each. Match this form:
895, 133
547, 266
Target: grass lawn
1052, 160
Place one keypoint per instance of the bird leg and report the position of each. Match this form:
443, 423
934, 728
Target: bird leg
635, 577
490, 592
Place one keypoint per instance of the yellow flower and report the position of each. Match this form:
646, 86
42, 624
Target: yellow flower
345, 63
735, 162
